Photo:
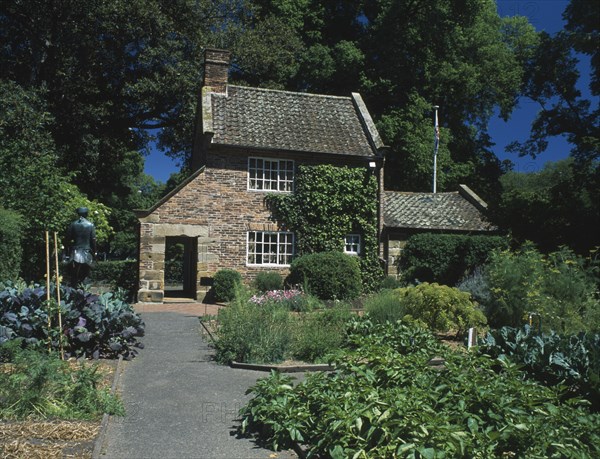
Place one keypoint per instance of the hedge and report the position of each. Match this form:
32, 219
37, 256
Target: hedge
118, 274
446, 258
11, 227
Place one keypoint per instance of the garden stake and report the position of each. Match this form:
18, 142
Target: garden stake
60, 340
48, 289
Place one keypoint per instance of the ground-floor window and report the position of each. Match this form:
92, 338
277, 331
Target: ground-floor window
270, 248
352, 244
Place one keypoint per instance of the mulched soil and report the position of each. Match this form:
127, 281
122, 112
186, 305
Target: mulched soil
49, 439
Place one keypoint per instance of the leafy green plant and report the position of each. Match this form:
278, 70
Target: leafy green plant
385, 400
550, 358
390, 283
40, 386
440, 307
327, 275
384, 306
225, 283
93, 326
559, 287
268, 280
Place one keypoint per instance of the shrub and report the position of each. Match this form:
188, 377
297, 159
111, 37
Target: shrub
559, 287
93, 326
327, 275
440, 307
38, 385
390, 283
446, 258
268, 280
225, 283
384, 306
119, 274
251, 332
317, 334
11, 226
552, 359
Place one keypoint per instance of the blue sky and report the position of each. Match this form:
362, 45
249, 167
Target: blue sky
544, 15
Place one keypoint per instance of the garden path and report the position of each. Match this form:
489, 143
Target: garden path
180, 403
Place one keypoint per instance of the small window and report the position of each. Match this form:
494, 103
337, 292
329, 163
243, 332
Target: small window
270, 248
266, 174
352, 244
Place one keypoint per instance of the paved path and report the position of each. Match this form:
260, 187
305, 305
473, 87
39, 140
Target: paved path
179, 403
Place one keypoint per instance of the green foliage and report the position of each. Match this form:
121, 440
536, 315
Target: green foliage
39, 386
11, 226
327, 275
550, 358
440, 307
93, 326
267, 332
225, 283
327, 204
268, 280
390, 282
446, 258
384, 306
559, 287
119, 274
384, 400
559, 205
317, 334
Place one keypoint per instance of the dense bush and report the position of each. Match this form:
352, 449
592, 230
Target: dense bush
11, 227
225, 283
446, 258
266, 332
440, 307
559, 287
390, 282
385, 400
384, 306
93, 326
268, 280
41, 386
552, 359
119, 274
327, 275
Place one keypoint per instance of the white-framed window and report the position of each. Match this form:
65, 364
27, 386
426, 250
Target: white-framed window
270, 248
270, 174
352, 244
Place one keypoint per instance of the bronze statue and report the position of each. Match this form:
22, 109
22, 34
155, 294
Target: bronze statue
81, 247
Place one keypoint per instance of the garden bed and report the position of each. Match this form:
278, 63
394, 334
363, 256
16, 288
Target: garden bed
56, 438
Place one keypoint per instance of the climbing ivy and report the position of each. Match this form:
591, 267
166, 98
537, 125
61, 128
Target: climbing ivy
328, 203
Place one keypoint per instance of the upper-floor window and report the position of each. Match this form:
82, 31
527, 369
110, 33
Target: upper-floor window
352, 244
270, 174
270, 248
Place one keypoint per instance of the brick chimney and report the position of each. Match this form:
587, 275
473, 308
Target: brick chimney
216, 68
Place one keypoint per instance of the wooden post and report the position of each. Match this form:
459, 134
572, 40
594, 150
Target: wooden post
60, 332
48, 289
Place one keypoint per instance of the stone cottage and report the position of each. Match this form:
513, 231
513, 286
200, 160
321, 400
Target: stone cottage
248, 142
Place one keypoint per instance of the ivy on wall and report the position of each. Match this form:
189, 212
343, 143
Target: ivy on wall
328, 203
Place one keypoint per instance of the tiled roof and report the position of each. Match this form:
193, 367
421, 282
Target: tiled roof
440, 211
263, 118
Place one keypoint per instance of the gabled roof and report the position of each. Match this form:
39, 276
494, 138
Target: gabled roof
452, 211
293, 121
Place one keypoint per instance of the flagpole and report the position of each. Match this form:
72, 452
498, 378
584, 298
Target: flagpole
435, 148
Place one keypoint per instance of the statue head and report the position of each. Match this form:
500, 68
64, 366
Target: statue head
82, 212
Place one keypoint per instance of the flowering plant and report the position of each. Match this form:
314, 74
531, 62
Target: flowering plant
291, 298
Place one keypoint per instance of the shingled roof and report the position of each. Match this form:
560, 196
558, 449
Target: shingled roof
452, 211
293, 121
